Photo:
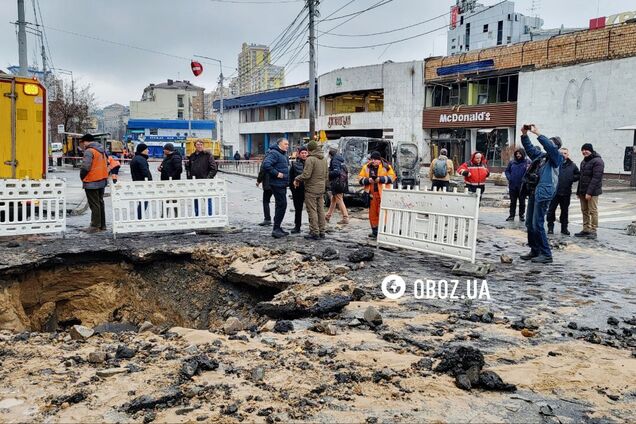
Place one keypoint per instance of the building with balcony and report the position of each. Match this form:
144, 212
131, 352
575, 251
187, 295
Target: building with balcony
254, 122
383, 101
256, 73
170, 100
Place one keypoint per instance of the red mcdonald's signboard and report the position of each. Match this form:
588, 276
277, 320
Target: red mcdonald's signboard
454, 15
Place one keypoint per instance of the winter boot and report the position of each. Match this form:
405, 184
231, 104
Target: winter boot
551, 228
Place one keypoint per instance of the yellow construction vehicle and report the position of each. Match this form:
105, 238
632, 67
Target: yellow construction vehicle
213, 146
23, 134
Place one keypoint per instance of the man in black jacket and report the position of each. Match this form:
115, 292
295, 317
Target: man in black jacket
201, 165
140, 171
276, 165
568, 175
590, 187
298, 193
171, 166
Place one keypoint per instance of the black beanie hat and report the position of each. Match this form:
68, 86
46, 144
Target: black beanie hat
376, 155
87, 137
170, 147
557, 141
588, 147
140, 148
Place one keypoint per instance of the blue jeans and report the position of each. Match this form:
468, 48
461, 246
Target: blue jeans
196, 207
535, 223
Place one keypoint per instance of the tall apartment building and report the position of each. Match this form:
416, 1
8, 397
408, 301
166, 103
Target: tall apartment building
114, 120
256, 73
170, 100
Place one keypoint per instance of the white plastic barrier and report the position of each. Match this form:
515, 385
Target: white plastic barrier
32, 207
248, 168
141, 206
437, 222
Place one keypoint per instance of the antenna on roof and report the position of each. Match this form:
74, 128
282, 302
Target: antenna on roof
535, 8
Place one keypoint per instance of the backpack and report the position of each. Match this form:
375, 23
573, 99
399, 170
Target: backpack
532, 176
440, 168
341, 183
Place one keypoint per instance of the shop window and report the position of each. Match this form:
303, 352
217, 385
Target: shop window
355, 102
513, 88
153, 131
494, 145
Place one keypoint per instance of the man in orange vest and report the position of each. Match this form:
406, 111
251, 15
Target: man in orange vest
375, 176
114, 165
94, 175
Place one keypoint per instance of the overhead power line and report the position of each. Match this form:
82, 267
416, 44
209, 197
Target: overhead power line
382, 3
255, 2
385, 32
370, 46
130, 46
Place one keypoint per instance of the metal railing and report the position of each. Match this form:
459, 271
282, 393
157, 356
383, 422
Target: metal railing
248, 168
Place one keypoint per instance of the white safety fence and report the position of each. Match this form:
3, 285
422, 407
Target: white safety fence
437, 222
248, 168
32, 207
143, 206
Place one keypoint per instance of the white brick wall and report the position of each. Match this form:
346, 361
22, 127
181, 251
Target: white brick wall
554, 100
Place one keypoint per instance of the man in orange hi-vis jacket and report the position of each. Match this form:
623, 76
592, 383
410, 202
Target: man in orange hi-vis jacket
375, 176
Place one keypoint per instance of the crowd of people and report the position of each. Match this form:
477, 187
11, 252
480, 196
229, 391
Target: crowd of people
540, 180
312, 176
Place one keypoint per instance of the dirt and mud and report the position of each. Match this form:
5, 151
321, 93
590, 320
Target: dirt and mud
236, 327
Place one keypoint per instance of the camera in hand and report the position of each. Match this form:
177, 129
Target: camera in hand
527, 127
373, 172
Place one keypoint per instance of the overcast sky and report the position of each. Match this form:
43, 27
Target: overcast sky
218, 28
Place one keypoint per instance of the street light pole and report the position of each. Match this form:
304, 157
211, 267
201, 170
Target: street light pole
221, 98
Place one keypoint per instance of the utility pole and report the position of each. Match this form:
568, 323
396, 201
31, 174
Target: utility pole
22, 40
221, 108
312, 69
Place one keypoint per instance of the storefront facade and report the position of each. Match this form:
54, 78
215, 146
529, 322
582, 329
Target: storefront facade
465, 129
379, 101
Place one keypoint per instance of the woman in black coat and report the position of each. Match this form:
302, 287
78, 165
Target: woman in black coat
339, 185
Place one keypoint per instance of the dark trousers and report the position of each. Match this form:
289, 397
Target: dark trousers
95, 198
299, 199
440, 184
267, 196
280, 197
563, 202
517, 196
535, 224
196, 207
473, 189
140, 211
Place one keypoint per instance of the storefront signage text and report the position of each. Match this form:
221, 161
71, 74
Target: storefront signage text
619, 18
464, 117
342, 121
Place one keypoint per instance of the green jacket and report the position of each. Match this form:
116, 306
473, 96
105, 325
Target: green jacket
315, 176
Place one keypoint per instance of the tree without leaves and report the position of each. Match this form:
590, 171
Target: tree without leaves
73, 108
